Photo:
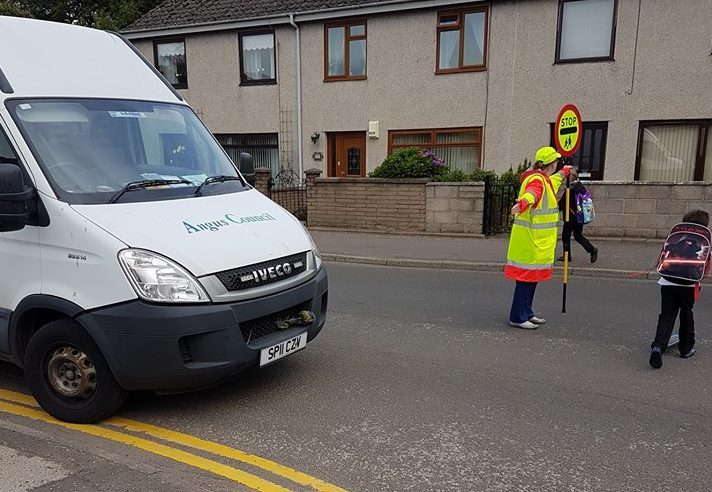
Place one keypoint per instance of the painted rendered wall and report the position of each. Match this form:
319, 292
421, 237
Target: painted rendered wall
214, 89
673, 70
401, 92
515, 99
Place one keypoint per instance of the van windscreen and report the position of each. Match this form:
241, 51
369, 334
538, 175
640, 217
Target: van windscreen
90, 149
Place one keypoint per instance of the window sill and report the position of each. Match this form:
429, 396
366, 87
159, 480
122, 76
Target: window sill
443, 71
179, 86
343, 79
258, 82
585, 60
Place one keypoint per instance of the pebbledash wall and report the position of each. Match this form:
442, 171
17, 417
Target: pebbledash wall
623, 209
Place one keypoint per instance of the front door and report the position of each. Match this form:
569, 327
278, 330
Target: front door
348, 154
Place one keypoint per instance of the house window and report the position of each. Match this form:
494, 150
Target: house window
459, 148
590, 157
257, 59
170, 61
674, 151
262, 146
586, 30
462, 40
345, 51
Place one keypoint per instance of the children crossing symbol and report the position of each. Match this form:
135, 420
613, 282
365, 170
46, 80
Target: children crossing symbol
568, 130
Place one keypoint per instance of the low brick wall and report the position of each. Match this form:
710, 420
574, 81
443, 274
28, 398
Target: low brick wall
371, 204
643, 210
454, 207
623, 209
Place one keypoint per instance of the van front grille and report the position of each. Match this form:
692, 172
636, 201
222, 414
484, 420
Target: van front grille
257, 328
263, 273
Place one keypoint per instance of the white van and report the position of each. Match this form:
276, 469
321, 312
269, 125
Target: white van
134, 254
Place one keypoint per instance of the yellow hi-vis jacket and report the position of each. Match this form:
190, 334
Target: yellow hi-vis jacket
532, 243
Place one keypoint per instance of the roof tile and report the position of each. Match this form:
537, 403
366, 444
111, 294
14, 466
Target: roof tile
181, 13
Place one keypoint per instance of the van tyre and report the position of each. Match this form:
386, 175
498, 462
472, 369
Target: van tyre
69, 376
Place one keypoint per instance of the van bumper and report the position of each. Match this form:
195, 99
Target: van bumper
176, 347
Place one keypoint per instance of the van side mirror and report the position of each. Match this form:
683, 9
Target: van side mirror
247, 167
15, 198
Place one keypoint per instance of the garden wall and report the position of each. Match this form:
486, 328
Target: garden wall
644, 210
454, 207
623, 209
372, 204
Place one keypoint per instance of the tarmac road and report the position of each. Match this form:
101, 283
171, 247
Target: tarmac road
417, 383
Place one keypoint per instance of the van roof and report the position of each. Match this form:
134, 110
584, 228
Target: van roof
51, 59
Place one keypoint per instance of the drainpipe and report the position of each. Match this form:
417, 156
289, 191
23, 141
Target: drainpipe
298, 70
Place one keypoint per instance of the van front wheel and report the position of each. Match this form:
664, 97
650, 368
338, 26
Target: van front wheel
69, 376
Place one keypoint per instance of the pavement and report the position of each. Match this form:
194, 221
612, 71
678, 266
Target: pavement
617, 258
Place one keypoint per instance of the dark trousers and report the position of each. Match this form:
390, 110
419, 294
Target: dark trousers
522, 302
673, 300
577, 229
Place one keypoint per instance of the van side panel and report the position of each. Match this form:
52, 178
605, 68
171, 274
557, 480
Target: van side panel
79, 260
21, 274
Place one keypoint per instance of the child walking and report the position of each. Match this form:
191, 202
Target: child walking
677, 298
573, 225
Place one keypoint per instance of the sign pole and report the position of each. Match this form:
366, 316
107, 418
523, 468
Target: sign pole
566, 253
568, 130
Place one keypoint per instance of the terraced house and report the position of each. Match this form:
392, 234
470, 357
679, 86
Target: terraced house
338, 84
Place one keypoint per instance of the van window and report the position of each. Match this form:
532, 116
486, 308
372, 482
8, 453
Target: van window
91, 149
7, 155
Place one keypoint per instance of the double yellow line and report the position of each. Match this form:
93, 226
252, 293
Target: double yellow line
25, 406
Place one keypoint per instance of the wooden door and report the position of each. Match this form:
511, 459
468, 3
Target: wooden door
349, 155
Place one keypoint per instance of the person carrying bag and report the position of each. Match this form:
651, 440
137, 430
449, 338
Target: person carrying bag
580, 213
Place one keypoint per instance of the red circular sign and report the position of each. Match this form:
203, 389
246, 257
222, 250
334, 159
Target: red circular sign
568, 130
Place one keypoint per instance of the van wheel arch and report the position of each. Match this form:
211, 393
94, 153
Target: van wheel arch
32, 313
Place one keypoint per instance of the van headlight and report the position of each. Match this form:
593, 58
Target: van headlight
159, 279
314, 248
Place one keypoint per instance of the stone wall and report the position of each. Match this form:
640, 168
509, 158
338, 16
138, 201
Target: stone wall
643, 210
454, 207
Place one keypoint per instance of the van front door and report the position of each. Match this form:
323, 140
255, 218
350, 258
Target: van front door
19, 256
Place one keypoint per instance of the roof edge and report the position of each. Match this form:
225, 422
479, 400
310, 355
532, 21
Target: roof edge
306, 16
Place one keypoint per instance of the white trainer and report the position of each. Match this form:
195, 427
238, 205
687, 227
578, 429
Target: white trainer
537, 321
527, 325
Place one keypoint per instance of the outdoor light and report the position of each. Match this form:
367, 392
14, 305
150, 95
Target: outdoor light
315, 137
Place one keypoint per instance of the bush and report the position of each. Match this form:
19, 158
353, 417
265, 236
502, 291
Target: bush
413, 162
512, 176
452, 175
410, 162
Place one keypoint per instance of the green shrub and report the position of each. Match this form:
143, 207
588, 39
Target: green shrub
511, 176
452, 175
413, 162
482, 174
410, 162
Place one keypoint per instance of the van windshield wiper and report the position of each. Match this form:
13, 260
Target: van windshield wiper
137, 185
217, 179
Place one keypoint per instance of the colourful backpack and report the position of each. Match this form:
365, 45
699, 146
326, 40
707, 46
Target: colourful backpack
584, 207
683, 259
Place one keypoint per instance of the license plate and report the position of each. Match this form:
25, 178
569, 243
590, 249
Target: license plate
282, 349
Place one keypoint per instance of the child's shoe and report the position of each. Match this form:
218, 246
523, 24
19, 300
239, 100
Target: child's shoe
689, 354
656, 358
